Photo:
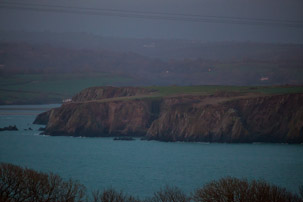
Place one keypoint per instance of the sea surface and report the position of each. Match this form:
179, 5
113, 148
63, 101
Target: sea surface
143, 167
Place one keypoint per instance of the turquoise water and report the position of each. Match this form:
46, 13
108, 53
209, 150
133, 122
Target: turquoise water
142, 167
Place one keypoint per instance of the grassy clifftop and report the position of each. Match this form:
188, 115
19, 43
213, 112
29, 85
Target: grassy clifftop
53, 88
96, 94
197, 113
177, 90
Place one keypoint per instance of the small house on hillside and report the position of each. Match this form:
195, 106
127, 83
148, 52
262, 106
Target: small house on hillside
67, 100
264, 79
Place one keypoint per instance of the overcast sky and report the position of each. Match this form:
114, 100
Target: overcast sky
281, 10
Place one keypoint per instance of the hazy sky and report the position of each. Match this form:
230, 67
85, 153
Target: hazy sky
281, 10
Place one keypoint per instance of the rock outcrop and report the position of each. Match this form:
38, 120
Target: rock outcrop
213, 118
98, 93
9, 128
42, 118
114, 118
275, 118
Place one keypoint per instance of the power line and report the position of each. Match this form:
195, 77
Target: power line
149, 15
153, 13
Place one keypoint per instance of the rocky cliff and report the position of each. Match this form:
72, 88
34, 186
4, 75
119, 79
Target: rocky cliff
114, 118
99, 93
225, 117
276, 118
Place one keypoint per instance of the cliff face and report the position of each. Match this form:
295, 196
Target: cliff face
216, 118
98, 93
102, 119
258, 119
42, 118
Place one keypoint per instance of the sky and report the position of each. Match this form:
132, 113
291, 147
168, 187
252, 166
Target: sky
222, 26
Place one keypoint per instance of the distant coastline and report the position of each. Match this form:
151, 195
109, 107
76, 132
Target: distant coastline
231, 116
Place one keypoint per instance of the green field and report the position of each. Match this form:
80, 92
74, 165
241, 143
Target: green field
53, 88
175, 90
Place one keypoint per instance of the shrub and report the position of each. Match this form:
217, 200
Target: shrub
23, 184
241, 190
26, 185
169, 194
301, 191
111, 195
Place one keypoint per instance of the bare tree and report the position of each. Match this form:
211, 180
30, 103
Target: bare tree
169, 194
241, 190
111, 195
19, 184
23, 184
301, 191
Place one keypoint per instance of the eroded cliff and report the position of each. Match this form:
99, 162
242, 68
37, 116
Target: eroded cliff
98, 93
221, 117
274, 118
113, 118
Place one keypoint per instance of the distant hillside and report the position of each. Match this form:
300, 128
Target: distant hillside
22, 58
159, 48
37, 73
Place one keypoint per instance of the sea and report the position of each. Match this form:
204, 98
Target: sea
142, 167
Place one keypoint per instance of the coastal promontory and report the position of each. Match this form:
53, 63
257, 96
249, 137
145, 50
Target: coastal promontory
196, 113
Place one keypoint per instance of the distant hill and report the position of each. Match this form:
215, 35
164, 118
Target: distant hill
39, 72
281, 68
158, 48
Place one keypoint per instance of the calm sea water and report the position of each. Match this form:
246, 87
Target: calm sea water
143, 167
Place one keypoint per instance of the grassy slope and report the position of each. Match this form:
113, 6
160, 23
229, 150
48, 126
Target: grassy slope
245, 92
38, 88
175, 90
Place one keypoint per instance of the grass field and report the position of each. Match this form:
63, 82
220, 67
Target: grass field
175, 90
41, 88
53, 88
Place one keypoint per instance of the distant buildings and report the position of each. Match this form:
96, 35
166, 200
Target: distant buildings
264, 79
67, 100
152, 45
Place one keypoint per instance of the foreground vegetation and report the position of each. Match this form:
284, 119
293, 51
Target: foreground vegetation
23, 184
